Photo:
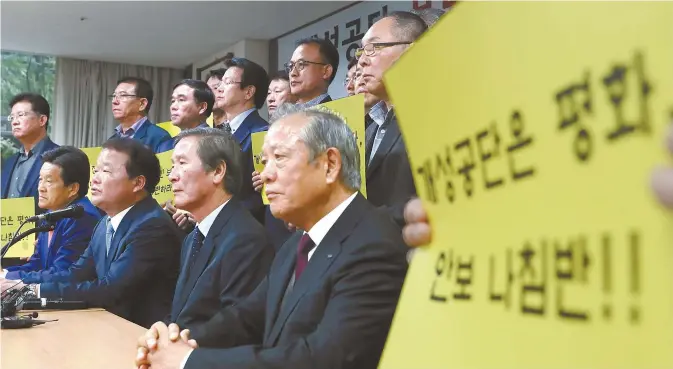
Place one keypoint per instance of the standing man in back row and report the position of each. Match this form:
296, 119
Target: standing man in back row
241, 93
312, 69
131, 102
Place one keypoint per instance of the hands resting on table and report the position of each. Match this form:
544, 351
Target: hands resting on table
164, 347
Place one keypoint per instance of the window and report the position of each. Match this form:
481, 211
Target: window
22, 72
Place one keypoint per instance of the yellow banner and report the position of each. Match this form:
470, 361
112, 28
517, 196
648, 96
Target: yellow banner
257, 143
15, 211
92, 153
164, 190
352, 111
170, 128
532, 129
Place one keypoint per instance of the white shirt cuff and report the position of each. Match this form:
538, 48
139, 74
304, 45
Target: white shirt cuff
3, 273
184, 361
37, 290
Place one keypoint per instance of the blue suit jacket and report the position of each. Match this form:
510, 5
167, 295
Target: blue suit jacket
152, 136
30, 185
233, 260
69, 240
251, 200
170, 144
136, 279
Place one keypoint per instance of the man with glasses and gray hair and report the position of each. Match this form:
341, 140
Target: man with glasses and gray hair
389, 179
29, 120
330, 296
131, 102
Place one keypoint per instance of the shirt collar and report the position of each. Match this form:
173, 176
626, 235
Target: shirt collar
117, 219
37, 148
208, 221
320, 229
236, 122
134, 128
313, 102
379, 112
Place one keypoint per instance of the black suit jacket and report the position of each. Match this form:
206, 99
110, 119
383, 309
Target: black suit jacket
390, 183
337, 315
233, 260
251, 199
136, 279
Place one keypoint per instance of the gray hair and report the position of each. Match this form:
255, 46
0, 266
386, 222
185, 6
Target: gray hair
430, 15
217, 146
326, 130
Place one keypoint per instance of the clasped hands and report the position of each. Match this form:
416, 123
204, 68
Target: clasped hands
163, 347
10, 284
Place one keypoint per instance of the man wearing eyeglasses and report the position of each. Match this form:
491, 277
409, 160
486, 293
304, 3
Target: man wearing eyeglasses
21, 171
312, 69
349, 81
240, 94
131, 102
389, 179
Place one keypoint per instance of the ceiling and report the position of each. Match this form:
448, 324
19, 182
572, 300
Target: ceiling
156, 33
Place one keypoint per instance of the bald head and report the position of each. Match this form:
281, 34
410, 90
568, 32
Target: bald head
407, 26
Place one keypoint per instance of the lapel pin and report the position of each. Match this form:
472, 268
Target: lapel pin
329, 256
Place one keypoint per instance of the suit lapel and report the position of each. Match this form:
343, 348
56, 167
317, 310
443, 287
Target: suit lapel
370, 134
281, 277
244, 130
391, 136
216, 232
182, 277
98, 244
33, 176
7, 169
122, 230
325, 254
142, 131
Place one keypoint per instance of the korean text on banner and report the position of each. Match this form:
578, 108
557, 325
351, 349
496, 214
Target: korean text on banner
92, 153
15, 211
257, 143
164, 189
532, 138
352, 111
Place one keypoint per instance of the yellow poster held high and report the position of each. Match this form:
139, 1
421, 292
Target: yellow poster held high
164, 189
257, 143
532, 130
92, 153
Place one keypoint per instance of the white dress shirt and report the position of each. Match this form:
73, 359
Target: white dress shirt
208, 221
317, 234
236, 122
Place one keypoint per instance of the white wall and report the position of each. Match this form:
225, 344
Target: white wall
350, 25
255, 50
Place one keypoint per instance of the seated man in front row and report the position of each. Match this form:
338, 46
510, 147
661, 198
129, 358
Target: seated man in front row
226, 256
131, 264
331, 293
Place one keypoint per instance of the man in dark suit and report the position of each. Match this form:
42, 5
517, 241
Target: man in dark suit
65, 178
331, 293
227, 255
241, 93
21, 171
312, 69
131, 102
131, 264
389, 179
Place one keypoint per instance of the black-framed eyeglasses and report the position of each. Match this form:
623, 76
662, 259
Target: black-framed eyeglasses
300, 65
121, 97
371, 49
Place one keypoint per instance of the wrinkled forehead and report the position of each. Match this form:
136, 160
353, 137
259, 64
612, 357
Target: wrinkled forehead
285, 132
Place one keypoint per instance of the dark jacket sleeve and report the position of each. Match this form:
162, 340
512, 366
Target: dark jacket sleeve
354, 325
138, 263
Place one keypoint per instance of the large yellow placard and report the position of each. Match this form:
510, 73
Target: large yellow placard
532, 129
15, 211
352, 111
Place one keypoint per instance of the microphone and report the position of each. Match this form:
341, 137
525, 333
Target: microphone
43, 228
73, 211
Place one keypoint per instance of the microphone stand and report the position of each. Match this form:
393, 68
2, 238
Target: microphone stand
43, 228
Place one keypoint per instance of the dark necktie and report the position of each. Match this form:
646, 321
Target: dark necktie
197, 242
225, 126
305, 246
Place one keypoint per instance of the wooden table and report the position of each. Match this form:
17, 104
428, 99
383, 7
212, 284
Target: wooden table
81, 339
